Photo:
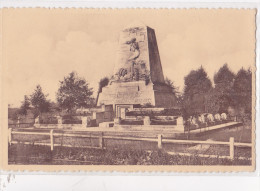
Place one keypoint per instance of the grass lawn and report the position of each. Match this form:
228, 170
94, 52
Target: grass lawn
30, 138
241, 134
33, 154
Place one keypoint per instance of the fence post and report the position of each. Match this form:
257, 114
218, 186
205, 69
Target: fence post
10, 136
231, 148
51, 138
101, 141
159, 141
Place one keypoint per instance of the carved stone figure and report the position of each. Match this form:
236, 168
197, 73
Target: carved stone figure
201, 118
210, 118
217, 117
224, 116
134, 48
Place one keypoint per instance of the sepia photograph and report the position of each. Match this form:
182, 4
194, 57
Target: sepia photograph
105, 88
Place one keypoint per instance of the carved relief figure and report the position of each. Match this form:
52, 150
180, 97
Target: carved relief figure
134, 48
134, 68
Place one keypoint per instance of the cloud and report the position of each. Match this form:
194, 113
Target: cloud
41, 60
81, 53
204, 46
41, 47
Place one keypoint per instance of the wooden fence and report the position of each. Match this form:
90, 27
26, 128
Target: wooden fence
101, 138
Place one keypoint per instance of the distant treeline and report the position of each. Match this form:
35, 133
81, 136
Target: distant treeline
231, 93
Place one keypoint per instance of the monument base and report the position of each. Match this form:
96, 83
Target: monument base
137, 93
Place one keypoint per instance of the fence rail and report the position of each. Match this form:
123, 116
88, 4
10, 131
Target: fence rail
160, 140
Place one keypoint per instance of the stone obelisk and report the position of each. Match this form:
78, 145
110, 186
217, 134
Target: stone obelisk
138, 76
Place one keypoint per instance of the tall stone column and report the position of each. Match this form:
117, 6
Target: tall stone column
103, 108
138, 76
84, 120
147, 120
180, 124
123, 113
18, 121
94, 115
37, 121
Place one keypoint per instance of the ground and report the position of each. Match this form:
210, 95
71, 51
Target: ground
129, 152
18, 154
241, 134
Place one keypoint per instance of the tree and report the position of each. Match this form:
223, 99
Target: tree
243, 89
197, 86
170, 84
102, 83
224, 75
224, 93
25, 105
175, 91
74, 93
212, 104
39, 100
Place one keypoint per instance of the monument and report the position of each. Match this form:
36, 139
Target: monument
138, 76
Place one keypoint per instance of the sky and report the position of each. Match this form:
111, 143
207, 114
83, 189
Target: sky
42, 46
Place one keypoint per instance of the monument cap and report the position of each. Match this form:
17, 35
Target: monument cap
135, 24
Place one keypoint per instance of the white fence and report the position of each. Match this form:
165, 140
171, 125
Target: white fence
101, 138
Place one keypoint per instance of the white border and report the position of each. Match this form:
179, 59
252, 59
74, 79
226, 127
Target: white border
151, 181
131, 4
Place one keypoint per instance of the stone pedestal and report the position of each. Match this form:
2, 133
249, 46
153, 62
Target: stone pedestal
147, 120
106, 124
137, 92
